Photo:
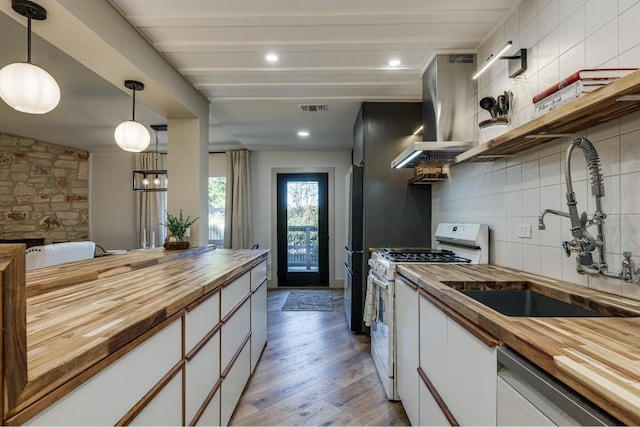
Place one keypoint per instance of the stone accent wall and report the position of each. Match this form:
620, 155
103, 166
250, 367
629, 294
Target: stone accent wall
44, 190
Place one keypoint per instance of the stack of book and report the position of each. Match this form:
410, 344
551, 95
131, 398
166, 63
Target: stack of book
572, 87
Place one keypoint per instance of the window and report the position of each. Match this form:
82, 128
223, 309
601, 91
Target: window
217, 187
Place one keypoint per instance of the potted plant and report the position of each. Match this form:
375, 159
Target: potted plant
177, 226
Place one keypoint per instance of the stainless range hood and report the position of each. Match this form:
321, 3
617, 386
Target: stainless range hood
448, 103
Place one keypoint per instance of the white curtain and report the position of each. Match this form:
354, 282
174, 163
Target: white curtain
151, 205
237, 228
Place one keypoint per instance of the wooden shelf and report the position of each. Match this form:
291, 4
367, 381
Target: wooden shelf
589, 110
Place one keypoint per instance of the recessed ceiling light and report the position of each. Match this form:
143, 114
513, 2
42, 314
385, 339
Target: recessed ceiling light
271, 57
303, 133
394, 62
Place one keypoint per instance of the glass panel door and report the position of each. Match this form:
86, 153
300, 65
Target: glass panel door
302, 229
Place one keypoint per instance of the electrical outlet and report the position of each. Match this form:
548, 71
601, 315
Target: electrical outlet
524, 231
187, 233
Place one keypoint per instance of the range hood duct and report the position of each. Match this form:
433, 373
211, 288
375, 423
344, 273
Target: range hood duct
448, 105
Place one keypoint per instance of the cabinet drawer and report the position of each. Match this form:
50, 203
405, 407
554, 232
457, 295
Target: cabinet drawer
258, 323
200, 320
211, 415
233, 385
202, 373
234, 331
258, 275
430, 412
235, 292
165, 409
108, 396
433, 343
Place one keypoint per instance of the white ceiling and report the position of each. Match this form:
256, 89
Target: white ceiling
332, 52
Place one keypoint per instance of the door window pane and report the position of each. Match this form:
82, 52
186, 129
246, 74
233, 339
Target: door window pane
302, 226
217, 187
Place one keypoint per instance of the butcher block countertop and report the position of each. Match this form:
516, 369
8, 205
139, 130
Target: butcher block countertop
599, 357
80, 313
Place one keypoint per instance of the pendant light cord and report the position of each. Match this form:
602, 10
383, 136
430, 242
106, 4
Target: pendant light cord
29, 37
134, 106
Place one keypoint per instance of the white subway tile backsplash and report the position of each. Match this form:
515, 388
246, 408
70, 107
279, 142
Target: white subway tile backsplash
628, 27
572, 31
531, 174
602, 45
551, 236
567, 7
514, 204
528, 10
550, 170
599, 12
630, 234
551, 262
500, 181
561, 36
531, 259
551, 197
572, 60
514, 178
514, 255
626, 4
629, 200
548, 18
629, 147
531, 201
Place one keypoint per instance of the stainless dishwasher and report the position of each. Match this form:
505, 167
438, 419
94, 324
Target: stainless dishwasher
529, 396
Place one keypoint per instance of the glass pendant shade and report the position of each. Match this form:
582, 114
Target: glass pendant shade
132, 136
23, 86
28, 88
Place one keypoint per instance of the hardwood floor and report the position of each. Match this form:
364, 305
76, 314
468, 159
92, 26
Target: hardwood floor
315, 372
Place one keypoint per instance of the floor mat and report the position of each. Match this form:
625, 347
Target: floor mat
312, 300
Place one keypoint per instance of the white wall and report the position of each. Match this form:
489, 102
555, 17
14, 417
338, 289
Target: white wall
264, 165
562, 36
112, 206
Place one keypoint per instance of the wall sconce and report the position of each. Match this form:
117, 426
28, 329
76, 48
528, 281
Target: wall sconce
152, 179
517, 63
24, 86
131, 135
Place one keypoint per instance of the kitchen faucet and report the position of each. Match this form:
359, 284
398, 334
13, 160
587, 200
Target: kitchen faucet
583, 242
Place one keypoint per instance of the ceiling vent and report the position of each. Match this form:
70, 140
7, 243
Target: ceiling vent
312, 108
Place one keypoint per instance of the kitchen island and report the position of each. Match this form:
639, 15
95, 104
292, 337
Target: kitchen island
597, 357
147, 337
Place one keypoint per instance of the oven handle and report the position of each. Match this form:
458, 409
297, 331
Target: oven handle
378, 282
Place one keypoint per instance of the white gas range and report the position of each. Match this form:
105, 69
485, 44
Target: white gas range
456, 243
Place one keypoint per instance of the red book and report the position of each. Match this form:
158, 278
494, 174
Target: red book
591, 74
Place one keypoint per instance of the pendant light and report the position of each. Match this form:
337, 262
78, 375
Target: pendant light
152, 179
131, 135
24, 86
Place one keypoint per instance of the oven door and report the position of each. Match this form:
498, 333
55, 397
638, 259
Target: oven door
382, 333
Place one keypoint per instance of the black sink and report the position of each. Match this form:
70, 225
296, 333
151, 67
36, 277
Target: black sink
526, 303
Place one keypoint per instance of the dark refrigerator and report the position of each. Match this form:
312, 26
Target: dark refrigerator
383, 209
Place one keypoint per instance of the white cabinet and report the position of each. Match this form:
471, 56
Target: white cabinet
460, 366
433, 343
234, 293
407, 347
165, 409
202, 373
515, 410
258, 322
472, 372
148, 364
200, 320
211, 414
234, 332
234, 383
430, 412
